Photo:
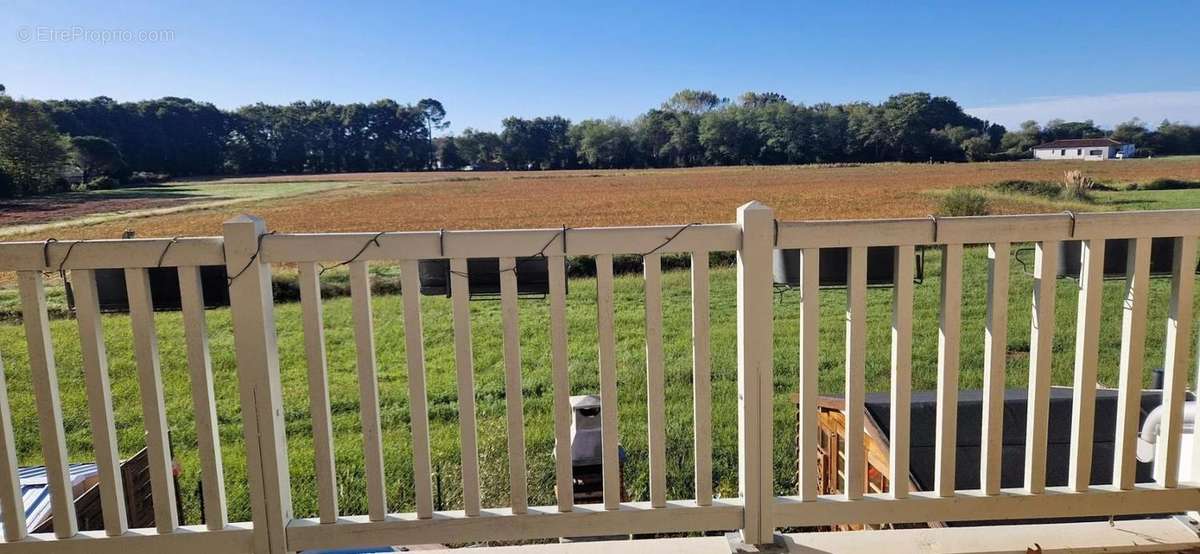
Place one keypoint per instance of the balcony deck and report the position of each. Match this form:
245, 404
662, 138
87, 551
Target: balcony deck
1149, 535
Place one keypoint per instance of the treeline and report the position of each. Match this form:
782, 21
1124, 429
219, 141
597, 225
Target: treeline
178, 136
700, 128
50, 146
57, 145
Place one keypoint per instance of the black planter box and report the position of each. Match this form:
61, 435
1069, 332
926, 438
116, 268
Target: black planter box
881, 267
1116, 252
483, 275
164, 289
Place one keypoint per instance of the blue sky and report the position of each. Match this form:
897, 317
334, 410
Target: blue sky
1007, 61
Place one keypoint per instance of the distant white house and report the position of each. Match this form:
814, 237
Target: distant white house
1083, 149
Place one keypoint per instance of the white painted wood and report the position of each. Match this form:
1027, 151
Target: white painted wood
204, 401
12, 508
701, 379
318, 391
154, 412
856, 371
608, 381
1149, 535
755, 370
995, 357
255, 345
99, 394
308, 247
368, 390
559, 360
514, 404
949, 343
987, 229
99, 254
1133, 348
1156, 223
810, 347
44, 378
1087, 351
874, 232
1178, 345
465, 364
656, 394
236, 538
975, 505
901, 391
1041, 342
502, 525
414, 349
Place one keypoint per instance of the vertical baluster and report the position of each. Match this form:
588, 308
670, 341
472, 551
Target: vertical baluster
1133, 348
995, 357
368, 390
656, 398
563, 479
608, 381
99, 394
949, 333
856, 367
702, 379
1087, 350
318, 391
464, 361
902, 307
810, 327
1178, 343
518, 492
414, 349
145, 342
44, 379
1045, 268
12, 508
208, 437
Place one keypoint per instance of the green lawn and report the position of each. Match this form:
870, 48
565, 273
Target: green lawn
537, 383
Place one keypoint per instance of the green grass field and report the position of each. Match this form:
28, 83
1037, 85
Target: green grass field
537, 383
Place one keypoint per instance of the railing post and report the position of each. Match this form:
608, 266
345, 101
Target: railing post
252, 308
755, 372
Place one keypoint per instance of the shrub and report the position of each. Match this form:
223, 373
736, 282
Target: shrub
1077, 186
1046, 189
99, 183
147, 178
1169, 184
963, 201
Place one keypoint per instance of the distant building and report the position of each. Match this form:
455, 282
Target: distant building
1083, 149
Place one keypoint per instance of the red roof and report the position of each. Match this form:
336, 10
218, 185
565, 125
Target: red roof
1080, 143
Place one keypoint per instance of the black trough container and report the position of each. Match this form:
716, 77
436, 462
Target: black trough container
881, 266
483, 275
164, 289
1116, 251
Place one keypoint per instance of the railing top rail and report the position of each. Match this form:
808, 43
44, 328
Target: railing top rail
408, 245
53, 255
983, 229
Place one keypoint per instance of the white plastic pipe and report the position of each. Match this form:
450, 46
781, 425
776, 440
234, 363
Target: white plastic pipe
1153, 426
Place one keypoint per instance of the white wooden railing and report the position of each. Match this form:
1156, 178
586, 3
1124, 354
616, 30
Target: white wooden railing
248, 251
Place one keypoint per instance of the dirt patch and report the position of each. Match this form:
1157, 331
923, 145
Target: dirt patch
45, 209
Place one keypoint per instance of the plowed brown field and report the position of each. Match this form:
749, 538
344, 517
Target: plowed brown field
484, 200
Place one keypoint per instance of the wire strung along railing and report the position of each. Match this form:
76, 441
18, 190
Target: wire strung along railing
249, 251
